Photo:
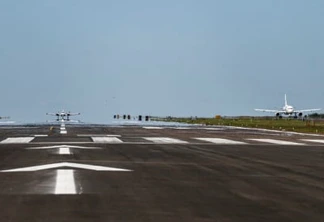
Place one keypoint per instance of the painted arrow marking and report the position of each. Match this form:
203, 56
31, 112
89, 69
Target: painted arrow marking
63, 149
65, 164
65, 183
62, 146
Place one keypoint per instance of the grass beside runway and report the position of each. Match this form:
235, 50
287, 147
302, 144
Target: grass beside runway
302, 126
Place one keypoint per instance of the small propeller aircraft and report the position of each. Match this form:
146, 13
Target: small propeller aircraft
62, 115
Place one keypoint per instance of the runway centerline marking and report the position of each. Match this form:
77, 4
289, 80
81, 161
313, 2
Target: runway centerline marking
164, 140
18, 140
220, 141
279, 142
64, 151
65, 182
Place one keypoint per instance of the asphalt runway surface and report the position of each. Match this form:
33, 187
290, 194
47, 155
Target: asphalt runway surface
136, 173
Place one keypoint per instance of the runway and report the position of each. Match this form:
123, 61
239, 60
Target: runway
159, 173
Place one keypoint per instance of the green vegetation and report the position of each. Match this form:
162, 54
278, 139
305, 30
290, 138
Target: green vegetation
316, 115
296, 125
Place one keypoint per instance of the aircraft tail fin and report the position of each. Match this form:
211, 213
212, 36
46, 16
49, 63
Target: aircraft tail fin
286, 100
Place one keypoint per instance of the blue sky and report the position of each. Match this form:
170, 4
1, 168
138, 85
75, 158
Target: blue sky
170, 57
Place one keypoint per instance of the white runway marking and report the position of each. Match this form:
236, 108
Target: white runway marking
315, 141
62, 146
97, 135
63, 129
65, 182
164, 140
279, 142
64, 164
220, 141
64, 151
106, 139
18, 140
63, 132
41, 135
213, 128
152, 127
182, 128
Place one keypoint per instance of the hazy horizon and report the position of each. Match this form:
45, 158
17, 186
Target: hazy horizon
178, 58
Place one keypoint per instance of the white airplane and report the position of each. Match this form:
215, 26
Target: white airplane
287, 110
62, 115
5, 122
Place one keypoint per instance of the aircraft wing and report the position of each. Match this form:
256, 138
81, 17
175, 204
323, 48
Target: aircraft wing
269, 110
306, 110
52, 114
73, 114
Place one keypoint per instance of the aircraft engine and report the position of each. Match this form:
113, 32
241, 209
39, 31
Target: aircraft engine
278, 115
300, 114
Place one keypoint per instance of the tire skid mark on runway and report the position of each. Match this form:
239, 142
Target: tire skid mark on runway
313, 181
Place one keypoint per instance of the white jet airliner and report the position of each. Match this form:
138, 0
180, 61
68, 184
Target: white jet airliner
287, 110
62, 115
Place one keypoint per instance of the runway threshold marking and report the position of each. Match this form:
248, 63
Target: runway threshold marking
18, 140
220, 141
105, 139
164, 140
152, 127
98, 135
279, 142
